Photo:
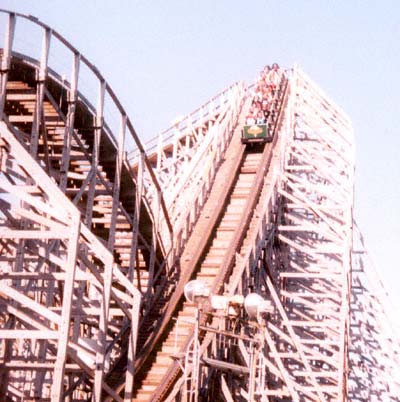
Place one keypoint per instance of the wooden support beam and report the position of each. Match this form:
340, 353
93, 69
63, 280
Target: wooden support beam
29, 303
33, 234
27, 334
117, 182
136, 221
132, 348
70, 122
99, 121
41, 366
6, 60
41, 79
102, 331
58, 376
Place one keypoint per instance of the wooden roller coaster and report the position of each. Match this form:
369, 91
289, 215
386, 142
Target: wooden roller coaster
99, 237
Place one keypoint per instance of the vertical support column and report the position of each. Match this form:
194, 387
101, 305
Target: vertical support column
175, 148
130, 368
6, 61
102, 333
211, 113
37, 117
58, 377
222, 100
117, 182
160, 154
253, 370
154, 245
95, 153
136, 218
69, 127
189, 132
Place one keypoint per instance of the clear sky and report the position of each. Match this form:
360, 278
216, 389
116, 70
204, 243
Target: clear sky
164, 58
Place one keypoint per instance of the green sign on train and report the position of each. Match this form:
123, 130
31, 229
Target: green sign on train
256, 133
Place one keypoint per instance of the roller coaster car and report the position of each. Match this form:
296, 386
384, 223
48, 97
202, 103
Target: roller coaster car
256, 133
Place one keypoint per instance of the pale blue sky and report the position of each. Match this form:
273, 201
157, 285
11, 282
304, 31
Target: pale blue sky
165, 58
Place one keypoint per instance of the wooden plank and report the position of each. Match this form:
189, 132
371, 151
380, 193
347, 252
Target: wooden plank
102, 331
33, 234
132, 348
21, 97
23, 365
29, 303
47, 276
313, 275
23, 118
27, 334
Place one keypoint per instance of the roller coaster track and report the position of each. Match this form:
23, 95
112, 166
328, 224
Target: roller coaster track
100, 234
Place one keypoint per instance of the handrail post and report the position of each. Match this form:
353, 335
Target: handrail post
6, 61
41, 79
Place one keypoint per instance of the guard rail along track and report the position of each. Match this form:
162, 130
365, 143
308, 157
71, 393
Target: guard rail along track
238, 184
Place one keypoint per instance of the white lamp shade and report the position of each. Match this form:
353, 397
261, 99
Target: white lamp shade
195, 290
254, 304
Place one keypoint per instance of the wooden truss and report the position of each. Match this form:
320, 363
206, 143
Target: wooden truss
186, 157
296, 254
74, 280
374, 351
315, 235
87, 232
63, 299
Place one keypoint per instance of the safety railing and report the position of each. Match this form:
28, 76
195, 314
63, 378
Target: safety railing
21, 35
191, 190
179, 129
178, 146
188, 191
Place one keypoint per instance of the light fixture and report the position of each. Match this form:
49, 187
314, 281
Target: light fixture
196, 291
255, 305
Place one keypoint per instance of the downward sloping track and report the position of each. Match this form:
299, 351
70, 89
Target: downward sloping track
231, 204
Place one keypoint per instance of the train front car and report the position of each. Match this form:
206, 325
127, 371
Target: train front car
256, 133
265, 105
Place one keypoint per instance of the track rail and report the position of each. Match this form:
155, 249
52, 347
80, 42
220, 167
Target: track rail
223, 241
235, 214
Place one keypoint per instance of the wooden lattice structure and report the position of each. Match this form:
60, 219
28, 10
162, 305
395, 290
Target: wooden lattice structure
99, 235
